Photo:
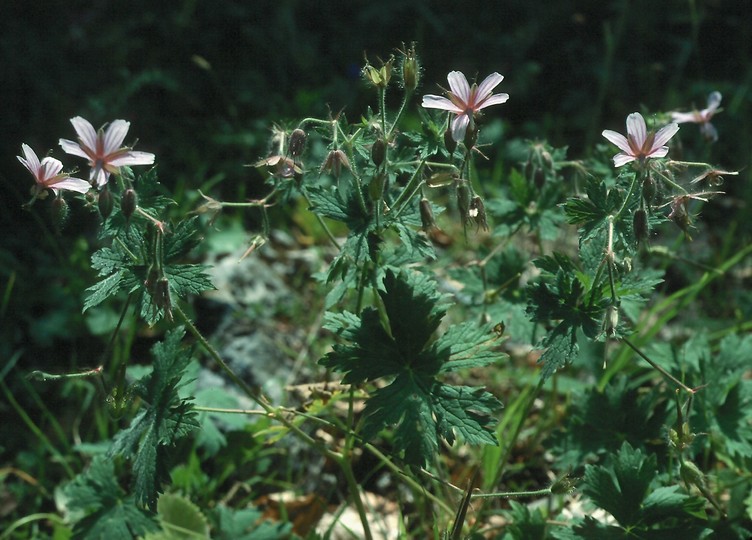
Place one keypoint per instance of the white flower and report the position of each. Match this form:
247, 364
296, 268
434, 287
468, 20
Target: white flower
465, 100
639, 144
48, 175
104, 149
702, 117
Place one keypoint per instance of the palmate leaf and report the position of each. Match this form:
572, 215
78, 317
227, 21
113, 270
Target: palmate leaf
416, 404
100, 509
164, 419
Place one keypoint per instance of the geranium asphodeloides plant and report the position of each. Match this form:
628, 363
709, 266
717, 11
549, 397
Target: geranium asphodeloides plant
465, 100
104, 149
702, 117
640, 144
48, 175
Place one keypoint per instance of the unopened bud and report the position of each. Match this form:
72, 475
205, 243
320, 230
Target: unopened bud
547, 160
691, 473
477, 212
463, 200
59, 211
563, 485
640, 225
426, 215
539, 178
410, 69
449, 142
297, 142
128, 203
648, 190
378, 152
335, 160
161, 297
611, 321
376, 186
105, 202
471, 135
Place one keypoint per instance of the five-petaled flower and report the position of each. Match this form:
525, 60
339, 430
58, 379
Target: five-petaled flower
47, 174
465, 100
639, 144
702, 117
104, 149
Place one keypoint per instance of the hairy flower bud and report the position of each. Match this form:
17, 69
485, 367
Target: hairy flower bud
59, 211
410, 69
471, 135
376, 186
378, 152
449, 142
648, 190
463, 200
161, 297
297, 142
128, 203
105, 202
640, 225
426, 215
335, 160
539, 178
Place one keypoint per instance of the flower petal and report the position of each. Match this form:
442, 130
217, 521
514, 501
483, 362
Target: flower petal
709, 132
663, 135
32, 161
459, 127
683, 117
72, 184
132, 158
51, 167
71, 147
486, 87
658, 152
714, 101
636, 129
618, 139
622, 159
114, 136
85, 132
459, 85
495, 99
99, 177
438, 102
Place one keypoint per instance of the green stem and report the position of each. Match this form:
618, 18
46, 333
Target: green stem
31, 518
401, 110
655, 366
511, 494
412, 187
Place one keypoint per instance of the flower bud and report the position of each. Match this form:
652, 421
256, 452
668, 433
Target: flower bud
426, 215
59, 211
128, 203
611, 321
161, 297
410, 69
105, 202
691, 473
297, 142
648, 190
376, 186
378, 152
539, 178
640, 225
463, 200
471, 135
334, 162
449, 142
477, 212
563, 485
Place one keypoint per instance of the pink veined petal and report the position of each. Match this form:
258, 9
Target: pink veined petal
99, 177
622, 159
486, 87
714, 101
663, 135
85, 132
32, 161
459, 127
72, 184
495, 99
459, 85
618, 139
71, 147
658, 152
133, 158
431, 101
681, 118
114, 136
636, 129
51, 167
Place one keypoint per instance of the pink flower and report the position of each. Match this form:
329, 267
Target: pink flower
639, 144
702, 117
48, 175
104, 149
465, 100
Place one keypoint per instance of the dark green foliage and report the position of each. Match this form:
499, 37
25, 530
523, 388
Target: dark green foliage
401, 349
163, 419
247, 524
524, 523
100, 509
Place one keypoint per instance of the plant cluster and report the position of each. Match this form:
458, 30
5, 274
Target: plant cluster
652, 450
